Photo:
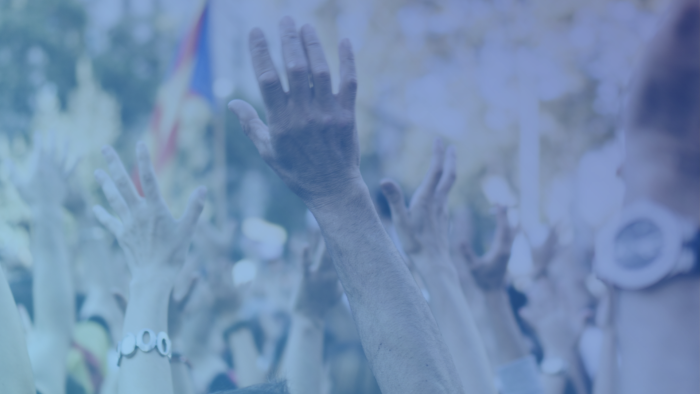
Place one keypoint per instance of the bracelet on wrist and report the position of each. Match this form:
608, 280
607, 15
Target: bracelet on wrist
130, 343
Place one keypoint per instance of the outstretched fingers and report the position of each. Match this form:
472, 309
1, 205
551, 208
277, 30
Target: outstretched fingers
295, 62
114, 197
449, 175
268, 80
120, 176
320, 72
147, 174
195, 205
429, 185
394, 195
107, 220
348, 76
252, 126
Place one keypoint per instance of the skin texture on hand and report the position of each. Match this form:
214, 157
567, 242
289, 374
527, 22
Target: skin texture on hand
310, 139
423, 230
311, 143
155, 245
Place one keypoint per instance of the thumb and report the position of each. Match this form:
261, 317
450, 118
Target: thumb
394, 195
252, 126
306, 261
465, 247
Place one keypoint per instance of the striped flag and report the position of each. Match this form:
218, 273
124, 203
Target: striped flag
190, 78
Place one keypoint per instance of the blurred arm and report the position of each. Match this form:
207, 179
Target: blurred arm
318, 292
311, 143
15, 369
245, 358
155, 245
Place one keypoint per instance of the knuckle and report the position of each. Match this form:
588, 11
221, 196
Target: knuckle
268, 80
289, 34
322, 73
350, 83
297, 69
258, 44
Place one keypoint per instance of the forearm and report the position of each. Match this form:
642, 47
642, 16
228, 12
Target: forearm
303, 364
556, 384
245, 358
457, 325
604, 382
54, 305
670, 315
15, 368
503, 327
146, 372
182, 379
400, 337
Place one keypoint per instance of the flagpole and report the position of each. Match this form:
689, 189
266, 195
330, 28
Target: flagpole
220, 176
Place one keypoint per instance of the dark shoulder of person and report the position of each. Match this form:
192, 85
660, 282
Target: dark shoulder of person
278, 387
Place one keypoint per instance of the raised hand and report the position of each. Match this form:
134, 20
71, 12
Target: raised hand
155, 244
489, 271
557, 327
310, 139
423, 229
319, 290
47, 186
423, 226
543, 254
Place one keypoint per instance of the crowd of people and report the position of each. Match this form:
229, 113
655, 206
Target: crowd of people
387, 294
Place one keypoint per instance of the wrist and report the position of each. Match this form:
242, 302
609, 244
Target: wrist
350, 194
144, 286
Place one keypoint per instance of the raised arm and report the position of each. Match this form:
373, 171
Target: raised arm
318, 292
311, 143
423, 230
15, 369
54, 298
155, 245
489, 274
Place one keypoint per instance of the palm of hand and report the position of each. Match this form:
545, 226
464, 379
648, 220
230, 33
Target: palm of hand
311, 141
154, 243
147, 236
